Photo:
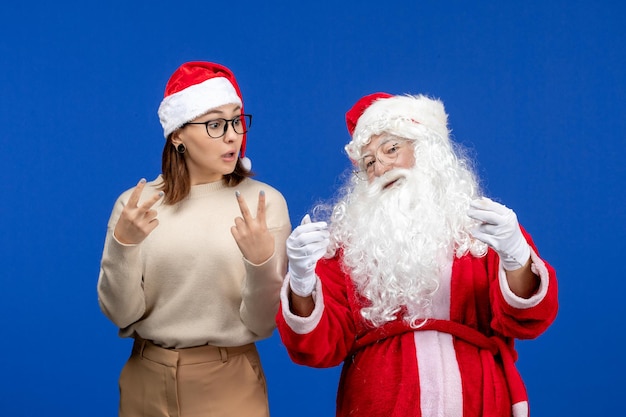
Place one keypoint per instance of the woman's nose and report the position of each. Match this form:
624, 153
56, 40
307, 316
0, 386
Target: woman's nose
230, 135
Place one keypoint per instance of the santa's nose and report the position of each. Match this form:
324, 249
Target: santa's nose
380, 168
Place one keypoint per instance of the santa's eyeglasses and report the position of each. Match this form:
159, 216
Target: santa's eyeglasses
386, 154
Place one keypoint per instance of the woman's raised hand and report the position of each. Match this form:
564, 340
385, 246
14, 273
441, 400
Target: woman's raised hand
251, 234
137, 221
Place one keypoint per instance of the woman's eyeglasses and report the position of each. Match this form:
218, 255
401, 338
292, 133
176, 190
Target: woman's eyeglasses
216, 128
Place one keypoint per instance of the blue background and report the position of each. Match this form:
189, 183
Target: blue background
535, 89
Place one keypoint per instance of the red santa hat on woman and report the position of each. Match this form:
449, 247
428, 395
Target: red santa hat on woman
404, 116
194, 89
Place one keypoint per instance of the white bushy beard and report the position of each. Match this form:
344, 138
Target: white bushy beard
395, 241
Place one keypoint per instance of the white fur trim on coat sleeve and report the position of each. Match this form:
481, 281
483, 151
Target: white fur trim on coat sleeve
520, 409
302, 325
539, 268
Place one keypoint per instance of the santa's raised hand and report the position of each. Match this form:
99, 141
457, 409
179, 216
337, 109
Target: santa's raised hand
305, 246
137, 221
500, 230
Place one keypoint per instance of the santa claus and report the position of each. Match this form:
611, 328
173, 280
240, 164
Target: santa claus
418, 284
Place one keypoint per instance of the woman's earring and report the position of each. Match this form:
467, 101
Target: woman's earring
180, 148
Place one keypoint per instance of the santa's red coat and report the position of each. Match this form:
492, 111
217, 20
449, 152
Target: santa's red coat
460, 363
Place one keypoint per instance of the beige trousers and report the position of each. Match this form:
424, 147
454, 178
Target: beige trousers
205, 381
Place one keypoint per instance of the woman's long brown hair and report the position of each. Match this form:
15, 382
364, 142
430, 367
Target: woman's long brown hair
176, 182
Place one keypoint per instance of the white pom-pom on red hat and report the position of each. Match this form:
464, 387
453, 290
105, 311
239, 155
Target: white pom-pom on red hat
246, 163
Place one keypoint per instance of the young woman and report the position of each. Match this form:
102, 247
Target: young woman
190, 270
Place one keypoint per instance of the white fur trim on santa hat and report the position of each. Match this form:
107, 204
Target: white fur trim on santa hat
401, 116
194, 101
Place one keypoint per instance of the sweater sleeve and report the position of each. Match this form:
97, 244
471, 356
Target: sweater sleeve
120, 284
518, 317
262, 283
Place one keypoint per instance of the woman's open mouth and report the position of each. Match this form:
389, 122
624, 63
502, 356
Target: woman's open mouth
229, 156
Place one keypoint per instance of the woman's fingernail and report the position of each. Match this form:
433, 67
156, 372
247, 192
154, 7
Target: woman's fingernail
237, 193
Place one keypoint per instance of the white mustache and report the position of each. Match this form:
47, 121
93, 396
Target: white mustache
378, 184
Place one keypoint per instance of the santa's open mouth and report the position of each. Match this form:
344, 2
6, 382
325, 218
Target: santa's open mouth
390, 184
394, 181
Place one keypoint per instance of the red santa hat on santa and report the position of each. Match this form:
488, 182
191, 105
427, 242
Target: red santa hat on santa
402, 115
194, 89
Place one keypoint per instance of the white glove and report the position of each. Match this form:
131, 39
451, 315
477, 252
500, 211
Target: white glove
500, 230
305, 246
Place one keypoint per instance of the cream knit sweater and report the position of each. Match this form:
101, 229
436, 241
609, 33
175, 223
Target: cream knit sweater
187, 284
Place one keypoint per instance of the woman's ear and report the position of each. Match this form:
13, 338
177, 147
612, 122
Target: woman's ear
176, 137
